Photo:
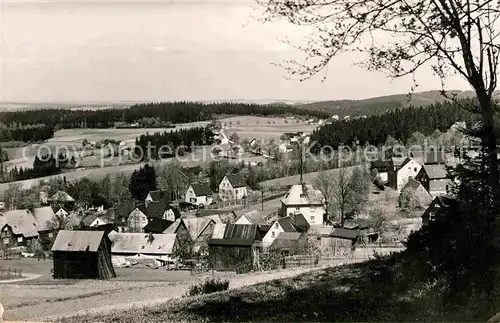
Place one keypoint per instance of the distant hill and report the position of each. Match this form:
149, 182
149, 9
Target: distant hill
379, 105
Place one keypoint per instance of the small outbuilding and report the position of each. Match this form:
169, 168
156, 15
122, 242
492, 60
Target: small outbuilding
82, 255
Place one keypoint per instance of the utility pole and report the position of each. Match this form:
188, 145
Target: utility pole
262, 199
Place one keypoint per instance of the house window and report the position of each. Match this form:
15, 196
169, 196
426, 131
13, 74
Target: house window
312, 218
273, 234
415, 169
432, 216
5, 240
51, 234
297, 209
447, 188
20, 239
276, 225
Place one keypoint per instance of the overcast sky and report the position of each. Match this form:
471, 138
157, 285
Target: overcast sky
90, 51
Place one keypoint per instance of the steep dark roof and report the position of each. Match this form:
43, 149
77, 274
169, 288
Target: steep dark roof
154, 209
236, 180
412, 184
344, 233
435, 171
286, 224
300, 222
156, 225
238, 235
447, 200
157, 195
364, 223
201, 189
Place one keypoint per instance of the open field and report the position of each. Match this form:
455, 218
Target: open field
263, 128
50, 299
349, 293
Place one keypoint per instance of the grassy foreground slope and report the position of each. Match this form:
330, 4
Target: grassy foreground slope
351, 293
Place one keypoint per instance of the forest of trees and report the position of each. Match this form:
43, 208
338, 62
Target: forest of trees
399, 124
25, 132
174, 112
180, 141
45, 166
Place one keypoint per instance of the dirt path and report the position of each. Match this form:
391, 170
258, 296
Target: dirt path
112, 296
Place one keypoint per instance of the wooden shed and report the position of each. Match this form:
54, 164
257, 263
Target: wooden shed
233, 246
82, 255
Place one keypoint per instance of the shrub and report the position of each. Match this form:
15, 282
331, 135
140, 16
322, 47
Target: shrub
210, 285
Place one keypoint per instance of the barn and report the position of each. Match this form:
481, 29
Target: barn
82, 255
233, 246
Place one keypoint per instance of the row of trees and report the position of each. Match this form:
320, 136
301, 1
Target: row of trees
25, 132
163, 112
179, 142
400, 124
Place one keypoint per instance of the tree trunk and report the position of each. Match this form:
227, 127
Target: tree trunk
491, 146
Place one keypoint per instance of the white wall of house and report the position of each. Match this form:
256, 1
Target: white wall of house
97, 221
169, 215
243, 220
384, 177
137, 220
272, 234
191, 197
411, 169
226, 190
313, 214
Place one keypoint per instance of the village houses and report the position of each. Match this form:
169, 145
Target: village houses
199, 194
304, 199
233, 187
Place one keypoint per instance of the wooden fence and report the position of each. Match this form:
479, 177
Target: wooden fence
10, 272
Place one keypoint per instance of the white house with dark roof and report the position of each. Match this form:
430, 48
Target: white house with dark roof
435, 179
409, 168
199, 194
233, 186
16, 227
304, 199
279, 226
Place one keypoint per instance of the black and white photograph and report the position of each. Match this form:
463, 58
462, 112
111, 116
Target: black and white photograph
249, 161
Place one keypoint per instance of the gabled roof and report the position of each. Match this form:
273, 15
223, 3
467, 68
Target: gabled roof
430, 157
344, 233
436, 171
140, 243
286, 224
154, 209
238, 235
304, 194
21, 222
44, 216
201, 189
300, 223
157, 195
447, 200
61, 196
236, 180
406, 161
287, 241
194, 226
254, 217
219, 230
156, 225
412, 184
91, 217
76, 241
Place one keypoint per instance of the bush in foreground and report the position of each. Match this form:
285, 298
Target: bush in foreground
210, 285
